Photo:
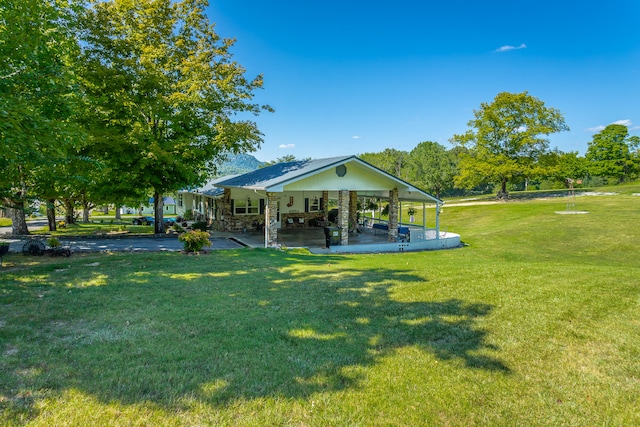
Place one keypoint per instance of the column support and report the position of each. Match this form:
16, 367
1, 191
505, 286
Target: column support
226, 209
438, 206
393, 215
343, 216
353, 211
271, 221
325, 205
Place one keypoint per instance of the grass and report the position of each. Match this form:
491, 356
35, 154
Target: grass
99, 224
535, 322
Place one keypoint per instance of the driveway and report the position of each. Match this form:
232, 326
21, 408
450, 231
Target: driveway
121, 244
125, 243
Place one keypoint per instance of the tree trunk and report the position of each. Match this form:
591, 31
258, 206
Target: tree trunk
118, 213
51, 214
158, 208
70, 216
18, 217
503, 194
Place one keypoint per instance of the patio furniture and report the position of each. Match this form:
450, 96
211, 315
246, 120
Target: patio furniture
403, 232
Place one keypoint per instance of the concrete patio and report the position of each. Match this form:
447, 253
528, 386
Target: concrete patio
367, 241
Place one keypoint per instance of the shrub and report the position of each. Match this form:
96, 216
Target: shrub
199, 225
53, 242
177, 228
188, 215
194, 240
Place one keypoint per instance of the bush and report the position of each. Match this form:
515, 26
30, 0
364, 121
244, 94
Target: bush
53, 242
177, 228
188, 215
194, 240
199, 225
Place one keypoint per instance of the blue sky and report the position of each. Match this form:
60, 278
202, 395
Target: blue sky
348, 77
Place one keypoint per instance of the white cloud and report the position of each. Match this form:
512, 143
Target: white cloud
507, 48
355, 137
287, 146
625, 122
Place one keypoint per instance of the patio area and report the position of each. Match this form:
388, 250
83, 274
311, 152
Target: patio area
367, 241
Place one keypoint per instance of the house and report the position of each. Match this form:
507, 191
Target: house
301, 193
169, 206
203, 203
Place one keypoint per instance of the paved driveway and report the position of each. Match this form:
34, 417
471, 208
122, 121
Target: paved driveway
113, 244
123, 244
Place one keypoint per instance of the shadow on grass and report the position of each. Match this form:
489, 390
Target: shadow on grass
240, 324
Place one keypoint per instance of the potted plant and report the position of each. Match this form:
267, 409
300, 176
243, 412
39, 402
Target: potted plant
411, 211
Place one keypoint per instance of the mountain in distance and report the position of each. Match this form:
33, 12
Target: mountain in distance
237, 164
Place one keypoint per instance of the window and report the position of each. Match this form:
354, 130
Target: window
314, 205
246, 207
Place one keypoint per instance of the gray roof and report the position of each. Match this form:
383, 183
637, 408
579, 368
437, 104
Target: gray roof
209, 188
273, 178
262, 179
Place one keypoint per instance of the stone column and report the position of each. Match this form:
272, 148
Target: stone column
393, 215
271, 221
343, 216
226, 209
353, 211
325, 205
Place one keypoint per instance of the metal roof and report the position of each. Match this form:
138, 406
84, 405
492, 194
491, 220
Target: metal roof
273, 178
280, 173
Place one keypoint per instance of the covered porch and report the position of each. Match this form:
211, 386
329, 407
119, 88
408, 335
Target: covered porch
365, 241
295, 194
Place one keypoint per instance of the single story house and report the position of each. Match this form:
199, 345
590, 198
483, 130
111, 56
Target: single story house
302, 193
169, 206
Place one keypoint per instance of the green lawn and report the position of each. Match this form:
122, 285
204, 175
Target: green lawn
534, 322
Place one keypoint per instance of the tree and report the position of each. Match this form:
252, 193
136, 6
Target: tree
284, 159
390, 160
506, 141
38, 97
164, 94
431, 168
570, 166
612, 153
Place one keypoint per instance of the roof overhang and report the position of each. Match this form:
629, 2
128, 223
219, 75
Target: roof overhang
332, 174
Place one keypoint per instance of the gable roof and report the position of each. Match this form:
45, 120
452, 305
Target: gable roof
278, 174
274, 178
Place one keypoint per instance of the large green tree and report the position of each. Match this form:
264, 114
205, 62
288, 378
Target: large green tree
612, 153
506, 140
390, 160
431, 167
38, 98
164, 94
